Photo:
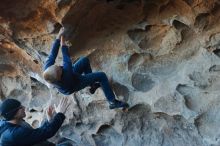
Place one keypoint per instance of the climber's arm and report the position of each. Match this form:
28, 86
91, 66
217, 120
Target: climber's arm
67, 63
53, 54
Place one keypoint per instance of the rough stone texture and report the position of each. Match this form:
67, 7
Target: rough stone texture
161, 56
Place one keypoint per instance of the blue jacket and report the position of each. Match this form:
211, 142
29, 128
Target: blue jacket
69, 79
16, 135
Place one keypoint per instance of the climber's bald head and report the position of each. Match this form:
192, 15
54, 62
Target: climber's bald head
53, 74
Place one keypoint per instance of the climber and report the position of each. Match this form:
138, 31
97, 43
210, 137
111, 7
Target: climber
74, 77
14, 131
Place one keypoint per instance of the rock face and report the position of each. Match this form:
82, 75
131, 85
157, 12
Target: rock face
161, 56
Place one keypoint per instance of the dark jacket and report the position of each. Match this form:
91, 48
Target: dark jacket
69, 79
16, 135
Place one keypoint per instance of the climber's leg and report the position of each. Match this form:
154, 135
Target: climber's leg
83, 66
101, 77
91, 78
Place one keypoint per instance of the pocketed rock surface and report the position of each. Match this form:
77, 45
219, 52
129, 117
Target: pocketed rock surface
161, 56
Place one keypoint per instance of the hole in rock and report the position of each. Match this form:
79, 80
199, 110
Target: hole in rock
142, 82
35, 61
179, 25
202, 20
217, 52
33, 110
